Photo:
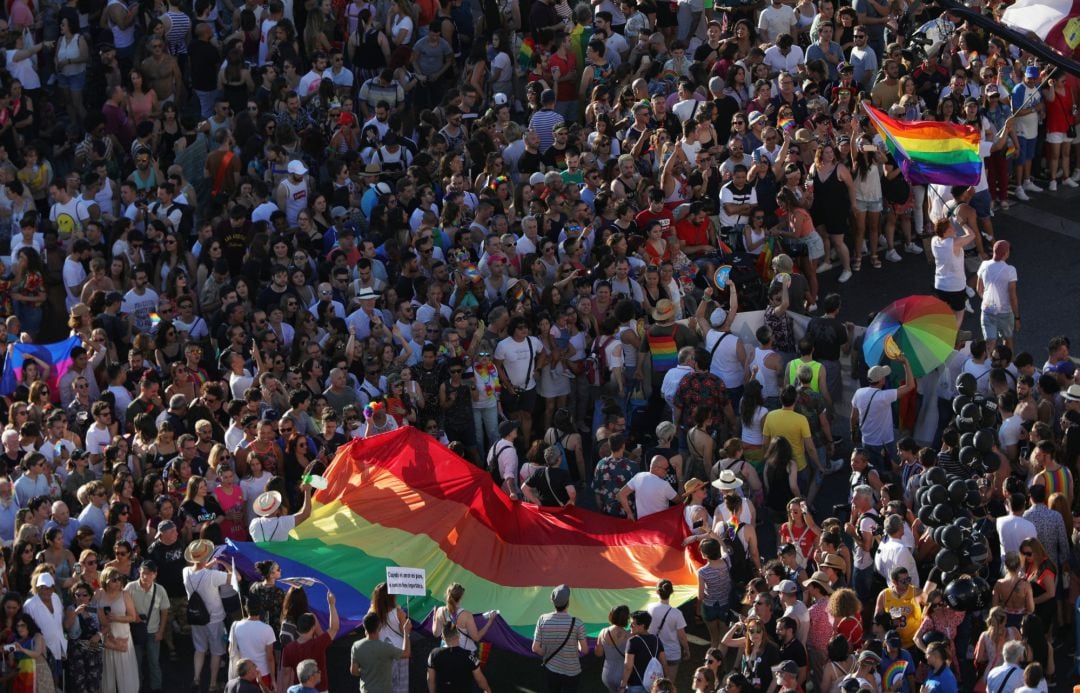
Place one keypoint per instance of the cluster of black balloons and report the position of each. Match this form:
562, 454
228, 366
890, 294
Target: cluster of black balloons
975, 421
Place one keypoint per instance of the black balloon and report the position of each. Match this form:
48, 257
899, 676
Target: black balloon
952, 537
991, 461
973, 499
946, 561
984, 440
966, 425
962, 594
935, 475
926, 515
937, 494
959, 402
989, 418
944, 513
957, 490
967, 440
968, 454
971, 411
966, 384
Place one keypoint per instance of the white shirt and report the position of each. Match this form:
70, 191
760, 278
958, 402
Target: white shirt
207, 582
505, 455
875, 414
672, 621
1005, 678
778, 62
50, 623
774, 21
97, 439
996, 276
514, 356
671, 382
651, 493
801, 614
251, 638
1012, 530
272, 528
893, 553
74, 275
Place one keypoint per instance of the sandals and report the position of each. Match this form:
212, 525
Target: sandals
856, 265
875, 262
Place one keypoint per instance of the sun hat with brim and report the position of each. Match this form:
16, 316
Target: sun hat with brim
821, 580
199, 551
267, 503
831, 560
1073, 393
664, 310
869, 655
727, 481
693, 485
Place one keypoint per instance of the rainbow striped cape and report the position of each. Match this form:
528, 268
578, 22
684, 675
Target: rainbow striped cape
402, 499
930, 152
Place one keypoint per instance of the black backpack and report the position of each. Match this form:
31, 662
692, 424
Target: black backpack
742, 570
197, 613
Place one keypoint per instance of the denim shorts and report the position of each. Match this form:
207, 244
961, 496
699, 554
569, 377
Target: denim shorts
75, 82
714, 612
868, 205
997, 325
981, 202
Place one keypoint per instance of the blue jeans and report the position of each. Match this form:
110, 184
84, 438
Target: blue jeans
486, 420
862, 580
149, 658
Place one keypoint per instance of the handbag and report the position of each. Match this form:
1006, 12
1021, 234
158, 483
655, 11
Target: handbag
230, 599
139, 633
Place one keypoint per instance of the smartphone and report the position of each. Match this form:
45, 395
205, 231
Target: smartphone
869, 148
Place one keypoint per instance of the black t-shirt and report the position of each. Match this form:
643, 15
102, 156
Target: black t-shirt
896, 190
208, 512
795, 651
828, 336
758, 668
453, 668
644, 648
550, 485
528, 162
170, 562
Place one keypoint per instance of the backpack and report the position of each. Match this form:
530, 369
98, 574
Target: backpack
187, 219
654, 671
197, 613
741, 568
493, 460
597, 370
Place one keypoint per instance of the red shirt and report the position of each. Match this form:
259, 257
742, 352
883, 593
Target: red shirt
665, 217
566, 91
296, 652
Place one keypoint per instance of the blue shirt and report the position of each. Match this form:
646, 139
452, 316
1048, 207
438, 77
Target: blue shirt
942, 681
300, 688
887, 662
7, 521
69, 530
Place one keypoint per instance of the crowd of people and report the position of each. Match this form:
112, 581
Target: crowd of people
527, 229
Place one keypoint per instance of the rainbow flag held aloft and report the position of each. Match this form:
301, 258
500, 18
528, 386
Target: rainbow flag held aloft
402, 499
929, 151
57, 356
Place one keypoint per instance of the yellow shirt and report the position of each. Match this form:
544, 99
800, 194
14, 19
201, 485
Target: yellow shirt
791, 425
905, 612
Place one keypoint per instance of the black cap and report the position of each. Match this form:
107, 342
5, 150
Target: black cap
113, 297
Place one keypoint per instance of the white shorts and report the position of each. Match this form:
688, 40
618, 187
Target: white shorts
1058, 138
210, 638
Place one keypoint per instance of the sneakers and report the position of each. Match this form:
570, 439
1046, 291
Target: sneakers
1030, 186
913, 249
1021, 195
812, 308
844, 276
1076, 175
1053, 186
1005, 204
969, 291
833, 466
967, 306
824, 267
1070, 183
892, 255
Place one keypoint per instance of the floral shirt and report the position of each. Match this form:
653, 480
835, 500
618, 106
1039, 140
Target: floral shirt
817, 639
612, 474
782, 329
698, 389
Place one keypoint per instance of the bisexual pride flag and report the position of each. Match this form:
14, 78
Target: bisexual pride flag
57, 356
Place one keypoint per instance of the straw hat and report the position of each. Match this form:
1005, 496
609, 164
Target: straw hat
267, 503
831, 560
199, 551
692, 485
664, 310
820, 579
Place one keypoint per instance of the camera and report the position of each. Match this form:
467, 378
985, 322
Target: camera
9, 648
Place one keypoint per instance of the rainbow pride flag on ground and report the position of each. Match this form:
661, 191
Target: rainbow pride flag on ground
402, 499
929, 151
57, 356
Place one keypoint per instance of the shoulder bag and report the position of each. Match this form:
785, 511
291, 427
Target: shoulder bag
569, 632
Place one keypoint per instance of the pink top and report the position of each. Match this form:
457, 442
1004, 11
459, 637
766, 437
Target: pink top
229, 529
21, 16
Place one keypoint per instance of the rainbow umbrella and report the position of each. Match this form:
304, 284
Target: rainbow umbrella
922, 327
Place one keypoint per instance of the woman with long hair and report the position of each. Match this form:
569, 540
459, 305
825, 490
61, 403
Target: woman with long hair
28, 289
611, 647
72, 59
29, 652
60, 559
757, 653
834, 195
988, 649
293, 607
203, 510
841, 664
462, 618
22, 566
781, 476
1041, 574
867, 161
752, 413
116, 613
391, 621
800, 229
142, 102
800, 530
1012, 592
84, 654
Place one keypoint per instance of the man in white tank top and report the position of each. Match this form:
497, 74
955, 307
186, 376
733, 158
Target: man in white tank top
727, 355
766, 367
292, 192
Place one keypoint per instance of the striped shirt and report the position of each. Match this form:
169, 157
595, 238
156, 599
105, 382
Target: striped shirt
551, 632
176, 37
543, 121
717, 582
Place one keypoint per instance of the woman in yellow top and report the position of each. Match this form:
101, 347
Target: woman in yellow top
900, 600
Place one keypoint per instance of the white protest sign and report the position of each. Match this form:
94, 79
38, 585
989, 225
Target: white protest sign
411, 582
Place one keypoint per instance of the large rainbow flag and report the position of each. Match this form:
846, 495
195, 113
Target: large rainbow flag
57, 356
402, 499
929, 151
